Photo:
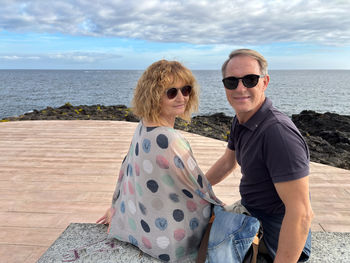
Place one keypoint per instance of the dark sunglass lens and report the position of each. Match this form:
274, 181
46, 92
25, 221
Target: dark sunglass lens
186, 91
171, 93
230, 83
250, 81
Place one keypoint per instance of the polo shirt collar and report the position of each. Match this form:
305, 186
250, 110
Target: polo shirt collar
259, 116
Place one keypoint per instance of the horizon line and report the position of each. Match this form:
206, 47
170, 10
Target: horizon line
91, 69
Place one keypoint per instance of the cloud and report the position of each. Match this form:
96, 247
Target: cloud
15, 57
71, 57
81, 57
203, 22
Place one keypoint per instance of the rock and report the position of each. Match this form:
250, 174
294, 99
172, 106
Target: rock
82, 112
327, 135
215, 126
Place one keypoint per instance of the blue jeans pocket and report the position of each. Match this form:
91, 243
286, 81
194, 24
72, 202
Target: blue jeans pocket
231, 235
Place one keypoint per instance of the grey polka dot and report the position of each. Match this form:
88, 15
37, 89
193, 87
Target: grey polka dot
174, 197
157, 204
143, 209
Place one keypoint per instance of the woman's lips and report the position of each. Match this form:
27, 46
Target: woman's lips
180, 106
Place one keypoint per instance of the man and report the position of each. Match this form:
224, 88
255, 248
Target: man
273, 156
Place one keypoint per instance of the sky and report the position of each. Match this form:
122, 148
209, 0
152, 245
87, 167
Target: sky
132, 34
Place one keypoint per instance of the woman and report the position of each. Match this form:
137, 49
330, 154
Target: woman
162, 201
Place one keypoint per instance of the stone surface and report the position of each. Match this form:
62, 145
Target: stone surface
88, 243
327, 135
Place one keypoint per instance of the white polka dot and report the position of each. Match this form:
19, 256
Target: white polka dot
191, 163
162, 242
147, 166
207, 211
132, 207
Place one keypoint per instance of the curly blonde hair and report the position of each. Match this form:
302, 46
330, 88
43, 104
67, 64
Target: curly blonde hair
153, 83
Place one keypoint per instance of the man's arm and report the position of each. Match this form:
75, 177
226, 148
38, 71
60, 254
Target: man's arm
297, 219
222, 167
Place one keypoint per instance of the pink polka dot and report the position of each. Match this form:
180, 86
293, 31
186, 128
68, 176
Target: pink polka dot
124, 187
191, 206
179, 234
121, 175
137, 169
131, 188
146, 243
162, 162
203, 202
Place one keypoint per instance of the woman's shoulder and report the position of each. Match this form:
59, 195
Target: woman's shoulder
169, 132
166, 138
174, 137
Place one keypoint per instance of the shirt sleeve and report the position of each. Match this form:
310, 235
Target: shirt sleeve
286, 153
230, 143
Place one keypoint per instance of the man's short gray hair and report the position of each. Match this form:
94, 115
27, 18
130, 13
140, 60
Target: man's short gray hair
250, 53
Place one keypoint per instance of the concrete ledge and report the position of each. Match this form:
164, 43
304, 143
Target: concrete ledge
89, 243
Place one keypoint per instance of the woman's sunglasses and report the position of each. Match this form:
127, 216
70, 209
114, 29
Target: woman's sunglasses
249, 81
172, 92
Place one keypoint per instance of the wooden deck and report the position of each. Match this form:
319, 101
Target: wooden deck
53, 173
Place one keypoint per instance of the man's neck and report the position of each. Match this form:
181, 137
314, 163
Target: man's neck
243, 117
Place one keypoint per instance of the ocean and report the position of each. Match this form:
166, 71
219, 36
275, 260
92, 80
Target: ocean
291, 91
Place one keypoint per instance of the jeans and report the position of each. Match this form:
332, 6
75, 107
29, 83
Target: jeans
231, 236
271, 227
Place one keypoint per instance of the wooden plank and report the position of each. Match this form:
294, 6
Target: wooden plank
53, 173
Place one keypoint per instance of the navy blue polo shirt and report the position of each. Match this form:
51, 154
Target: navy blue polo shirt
270, 149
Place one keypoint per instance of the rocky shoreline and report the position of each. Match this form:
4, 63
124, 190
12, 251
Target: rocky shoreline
327, 134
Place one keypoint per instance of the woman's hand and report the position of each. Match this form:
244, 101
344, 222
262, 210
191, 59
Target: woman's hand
107, 217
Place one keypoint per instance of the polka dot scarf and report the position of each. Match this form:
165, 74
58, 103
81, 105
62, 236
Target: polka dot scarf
162, 199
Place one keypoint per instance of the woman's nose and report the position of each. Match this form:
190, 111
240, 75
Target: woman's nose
179, 95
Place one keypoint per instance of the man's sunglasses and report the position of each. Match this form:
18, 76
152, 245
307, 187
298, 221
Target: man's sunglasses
172, 92
249, 81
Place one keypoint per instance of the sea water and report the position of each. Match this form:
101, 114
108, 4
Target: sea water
290, 90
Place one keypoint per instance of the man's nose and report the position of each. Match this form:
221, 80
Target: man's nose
240, 85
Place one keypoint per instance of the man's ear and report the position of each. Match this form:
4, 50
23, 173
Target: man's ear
266, 81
